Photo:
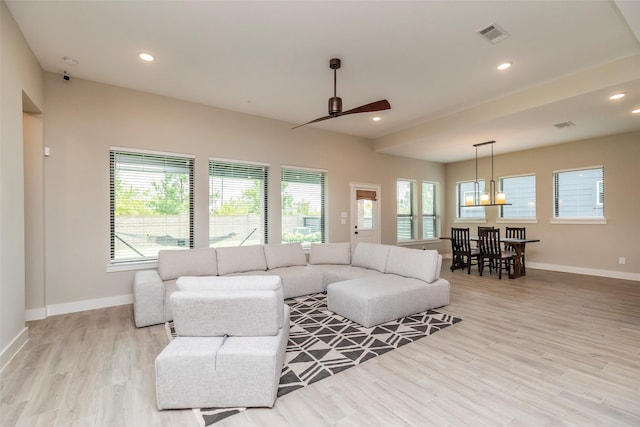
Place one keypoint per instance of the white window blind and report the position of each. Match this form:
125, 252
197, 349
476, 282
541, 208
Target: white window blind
429, 217
151, 204
303, 206
521, 194
237, 203
579, 193
464, 189
405, 210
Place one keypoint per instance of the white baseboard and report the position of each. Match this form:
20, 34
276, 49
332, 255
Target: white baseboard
76, 306
588, 271
578, 270
35, 314
88, 304
13, 348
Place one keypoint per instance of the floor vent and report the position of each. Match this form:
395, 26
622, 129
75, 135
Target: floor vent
564, 125
493, 34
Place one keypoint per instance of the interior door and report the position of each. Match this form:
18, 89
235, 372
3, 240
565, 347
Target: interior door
365, 214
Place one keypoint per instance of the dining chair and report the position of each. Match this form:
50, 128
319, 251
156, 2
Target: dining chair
490, 250
461, 249
516, 233
481, 231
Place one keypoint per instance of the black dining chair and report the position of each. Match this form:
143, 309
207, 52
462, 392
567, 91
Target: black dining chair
491, 250
481, 231
462, 252
516, 233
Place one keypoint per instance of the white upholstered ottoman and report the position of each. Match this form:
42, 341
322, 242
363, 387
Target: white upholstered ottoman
374, 300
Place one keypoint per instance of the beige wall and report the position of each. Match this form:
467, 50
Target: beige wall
591, 249
21, 89
85, 118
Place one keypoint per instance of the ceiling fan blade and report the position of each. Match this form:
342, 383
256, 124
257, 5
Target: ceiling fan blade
374, 106
314, 121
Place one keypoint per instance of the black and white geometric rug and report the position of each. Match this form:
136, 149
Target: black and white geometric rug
322, 343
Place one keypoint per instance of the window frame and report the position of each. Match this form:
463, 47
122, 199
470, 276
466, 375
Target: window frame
323, 182
118, 264
245, 167
460, 203
515, 219
412, 209
435, 210
596, 219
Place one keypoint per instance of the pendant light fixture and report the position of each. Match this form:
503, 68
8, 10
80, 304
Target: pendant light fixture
493, 197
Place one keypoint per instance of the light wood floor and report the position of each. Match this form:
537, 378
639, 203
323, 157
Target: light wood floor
547, 349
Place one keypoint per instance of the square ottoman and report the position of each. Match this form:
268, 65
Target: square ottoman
374, 300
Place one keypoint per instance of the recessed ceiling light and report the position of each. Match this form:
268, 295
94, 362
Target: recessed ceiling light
617, 96
70, 61
636, 111
376, 118
504, 66
147, 57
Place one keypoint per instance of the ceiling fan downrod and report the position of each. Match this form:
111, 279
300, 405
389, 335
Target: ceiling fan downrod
335, 102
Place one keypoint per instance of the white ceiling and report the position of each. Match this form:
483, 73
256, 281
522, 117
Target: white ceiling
271, 59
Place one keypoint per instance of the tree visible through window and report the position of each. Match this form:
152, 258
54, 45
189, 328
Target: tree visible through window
237, 203
151, 204
303, 206
405, 210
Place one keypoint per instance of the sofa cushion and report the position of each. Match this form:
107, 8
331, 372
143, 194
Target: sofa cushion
285, 255
415, 263
190, 262
240, 306
238, 259
330, 253
371, 255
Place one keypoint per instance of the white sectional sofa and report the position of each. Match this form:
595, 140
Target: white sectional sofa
413, 275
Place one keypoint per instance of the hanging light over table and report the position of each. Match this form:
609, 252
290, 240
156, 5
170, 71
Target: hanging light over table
493, 197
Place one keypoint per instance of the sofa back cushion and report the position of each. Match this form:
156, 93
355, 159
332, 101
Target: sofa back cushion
285, 255
415, 263
236, 306
187, 262
238, 259
330, 253
371, 255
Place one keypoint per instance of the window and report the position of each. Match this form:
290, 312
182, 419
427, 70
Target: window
579, 193
464, 189
237, 203
405, 209
521, 195
303, 206
151, 205
429, 218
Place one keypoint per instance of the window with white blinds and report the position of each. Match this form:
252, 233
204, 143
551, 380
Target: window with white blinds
468, 188
405, 207
303, 205
151, 205
237, 203
521, 195
579, 193
429, 211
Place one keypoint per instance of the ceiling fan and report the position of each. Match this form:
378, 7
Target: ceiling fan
335, 102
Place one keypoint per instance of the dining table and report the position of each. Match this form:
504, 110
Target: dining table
518, 247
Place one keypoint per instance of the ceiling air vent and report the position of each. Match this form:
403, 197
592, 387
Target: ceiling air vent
564, 125
493, 34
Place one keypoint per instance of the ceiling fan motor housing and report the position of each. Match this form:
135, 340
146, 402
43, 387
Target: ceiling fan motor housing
335, 105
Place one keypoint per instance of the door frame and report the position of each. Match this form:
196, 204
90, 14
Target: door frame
354, 214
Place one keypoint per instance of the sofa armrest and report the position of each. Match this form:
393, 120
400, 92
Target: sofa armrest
148, 298
239, 312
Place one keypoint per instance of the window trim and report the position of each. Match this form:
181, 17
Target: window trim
115, 265
324, 200
436, 209
595, 220
527, 220
459, 205
266, 166
412, 214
